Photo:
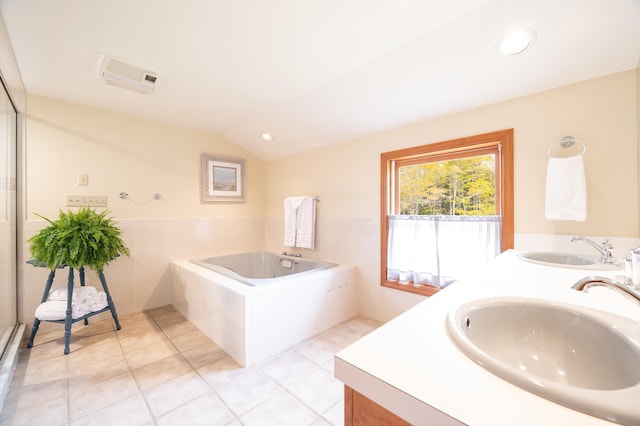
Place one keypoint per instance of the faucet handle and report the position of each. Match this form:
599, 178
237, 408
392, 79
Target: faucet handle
607, 256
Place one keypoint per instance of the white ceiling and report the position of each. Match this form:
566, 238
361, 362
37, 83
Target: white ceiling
314, 72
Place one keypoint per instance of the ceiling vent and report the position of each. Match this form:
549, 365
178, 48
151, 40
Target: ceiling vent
117, 73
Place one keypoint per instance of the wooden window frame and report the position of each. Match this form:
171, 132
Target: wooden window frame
501, 140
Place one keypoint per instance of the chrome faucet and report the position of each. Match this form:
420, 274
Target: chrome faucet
586, 282
285, 253
606, 256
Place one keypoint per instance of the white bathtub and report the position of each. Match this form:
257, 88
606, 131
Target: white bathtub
261, 267
252, 323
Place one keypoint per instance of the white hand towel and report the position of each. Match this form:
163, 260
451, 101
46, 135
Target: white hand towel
51, 310
100, 302
306, 223
58, 293
54, 310
86, 294
291, 205
78, 310
566, 196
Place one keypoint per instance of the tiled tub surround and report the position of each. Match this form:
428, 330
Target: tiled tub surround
254, 323
160, 370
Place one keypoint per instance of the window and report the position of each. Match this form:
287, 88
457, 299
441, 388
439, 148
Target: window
442, 202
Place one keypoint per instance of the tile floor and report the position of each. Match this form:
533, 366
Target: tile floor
161, 370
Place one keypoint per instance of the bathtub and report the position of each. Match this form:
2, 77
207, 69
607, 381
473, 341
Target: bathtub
252, 319
261, 267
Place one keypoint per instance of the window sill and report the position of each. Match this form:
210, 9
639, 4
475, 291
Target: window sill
423, 290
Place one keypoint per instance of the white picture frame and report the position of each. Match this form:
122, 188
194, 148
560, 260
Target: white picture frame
222, 178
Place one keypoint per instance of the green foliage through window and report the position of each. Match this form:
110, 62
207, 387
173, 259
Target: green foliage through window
464, 187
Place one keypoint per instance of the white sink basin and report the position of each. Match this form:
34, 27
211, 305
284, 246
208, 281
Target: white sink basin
567, 260
583, 359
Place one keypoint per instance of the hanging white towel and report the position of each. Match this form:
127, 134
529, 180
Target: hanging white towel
291, 205
566, 194
299, 222
306, 224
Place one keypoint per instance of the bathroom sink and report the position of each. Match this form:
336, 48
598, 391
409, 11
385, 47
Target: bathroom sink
567, 260
584, 359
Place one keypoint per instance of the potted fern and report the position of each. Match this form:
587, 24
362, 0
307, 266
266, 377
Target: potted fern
84, 238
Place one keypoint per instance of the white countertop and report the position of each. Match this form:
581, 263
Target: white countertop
410, 366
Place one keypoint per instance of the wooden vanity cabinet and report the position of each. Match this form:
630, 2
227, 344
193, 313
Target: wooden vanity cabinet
361, 411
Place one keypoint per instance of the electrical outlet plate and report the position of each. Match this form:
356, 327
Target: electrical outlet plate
86, 201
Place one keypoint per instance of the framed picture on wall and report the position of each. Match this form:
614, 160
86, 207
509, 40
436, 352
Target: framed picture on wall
222, 178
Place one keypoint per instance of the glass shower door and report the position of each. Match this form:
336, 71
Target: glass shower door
8, 290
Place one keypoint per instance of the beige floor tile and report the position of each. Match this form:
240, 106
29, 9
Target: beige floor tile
221, 372
190, 340
41, 338
247, 391
178, 329
22, 396
205, 410
46, 348
335, 414
167, 318
289, 367
144, 324
99, 324
169, 395
318, 350
134, 318
47, 413
319, 390
280, 409
93, 372
86, 400
43, 370
161, 371
135, 341
322, 422
132, 411
328, 365
100, 381
150, 353
362, 324
342, 335
161, 310
56, 346
96, 348
204, 354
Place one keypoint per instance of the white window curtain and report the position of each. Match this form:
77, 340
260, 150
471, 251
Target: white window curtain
437, 249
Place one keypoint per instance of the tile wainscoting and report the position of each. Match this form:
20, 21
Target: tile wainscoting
140, 282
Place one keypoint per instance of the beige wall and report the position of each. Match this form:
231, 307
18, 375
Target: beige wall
123, 153
601, 112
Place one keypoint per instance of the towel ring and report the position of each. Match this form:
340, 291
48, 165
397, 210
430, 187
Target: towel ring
568, 146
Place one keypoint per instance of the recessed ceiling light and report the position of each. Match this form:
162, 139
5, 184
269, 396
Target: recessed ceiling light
516, 42
268, 137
